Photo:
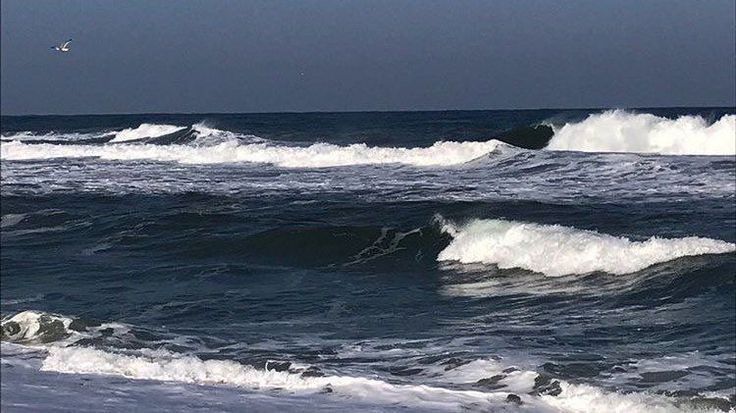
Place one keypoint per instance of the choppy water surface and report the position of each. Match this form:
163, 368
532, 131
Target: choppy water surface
560, 261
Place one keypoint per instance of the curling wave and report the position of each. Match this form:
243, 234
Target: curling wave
621, 131
555, 250
145, 130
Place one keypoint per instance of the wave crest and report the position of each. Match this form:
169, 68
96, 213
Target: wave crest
555, 250
318, 155
621, 131
145, 130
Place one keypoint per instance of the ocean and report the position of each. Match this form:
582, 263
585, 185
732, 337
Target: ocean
521, 260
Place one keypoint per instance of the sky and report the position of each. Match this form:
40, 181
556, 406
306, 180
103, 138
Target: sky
155, 56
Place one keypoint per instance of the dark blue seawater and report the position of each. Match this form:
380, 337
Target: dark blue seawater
419, 261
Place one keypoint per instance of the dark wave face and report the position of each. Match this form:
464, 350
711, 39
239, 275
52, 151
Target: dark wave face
475, 261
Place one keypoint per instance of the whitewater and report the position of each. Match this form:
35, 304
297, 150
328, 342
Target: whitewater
555, 250
621, 131
613, 131
62, 356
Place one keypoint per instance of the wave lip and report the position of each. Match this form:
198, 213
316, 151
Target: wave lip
555, 250
145, 130
318, 155
621, 131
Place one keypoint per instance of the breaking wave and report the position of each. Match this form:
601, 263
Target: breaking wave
35, 327
610, 131
621, 131
555, 250
317, 155
145, 130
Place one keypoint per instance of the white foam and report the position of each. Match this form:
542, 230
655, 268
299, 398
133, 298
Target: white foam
30, 136
193, 370
620, 131
166, 366
54, 136
583, 398
516, 381
145, 130
314, 156
34, 327
188, 369
698, 366
556, 250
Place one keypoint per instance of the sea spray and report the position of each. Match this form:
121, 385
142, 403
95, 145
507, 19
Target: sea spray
621, 131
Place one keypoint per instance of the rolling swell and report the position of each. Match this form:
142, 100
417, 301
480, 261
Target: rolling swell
528, 137
342, 247
224, 228
359, 246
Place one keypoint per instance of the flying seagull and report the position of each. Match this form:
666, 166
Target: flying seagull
64, 47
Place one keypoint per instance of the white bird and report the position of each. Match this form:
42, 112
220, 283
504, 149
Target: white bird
64, 47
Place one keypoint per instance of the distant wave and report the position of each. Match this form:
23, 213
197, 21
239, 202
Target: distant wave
143, 133
555, 250
317, 155
621, 131
145, 130
53, 336
59, 137
610, 131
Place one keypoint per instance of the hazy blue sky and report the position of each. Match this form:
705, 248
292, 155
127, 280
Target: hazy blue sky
326, 55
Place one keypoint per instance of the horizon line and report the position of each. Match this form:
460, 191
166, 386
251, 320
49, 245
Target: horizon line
365, 111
